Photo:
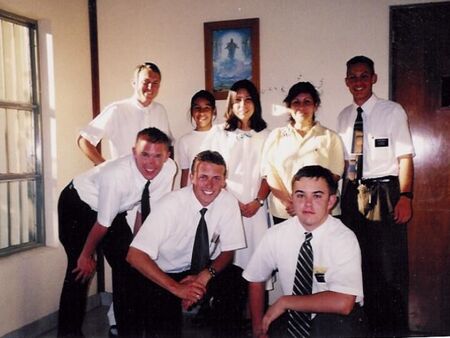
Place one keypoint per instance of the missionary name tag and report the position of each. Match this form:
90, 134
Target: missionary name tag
381, 142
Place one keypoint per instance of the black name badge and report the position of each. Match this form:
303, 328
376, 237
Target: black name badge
320, 277
381, 142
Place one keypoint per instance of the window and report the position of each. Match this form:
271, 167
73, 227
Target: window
21, 181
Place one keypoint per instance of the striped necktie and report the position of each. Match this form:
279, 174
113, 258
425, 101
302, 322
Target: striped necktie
299, 323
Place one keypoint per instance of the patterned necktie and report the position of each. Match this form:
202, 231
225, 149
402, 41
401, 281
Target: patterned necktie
299, 323
356, 165
145, 202
200, 252
358, 142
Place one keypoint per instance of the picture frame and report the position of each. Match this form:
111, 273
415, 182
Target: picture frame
231, 54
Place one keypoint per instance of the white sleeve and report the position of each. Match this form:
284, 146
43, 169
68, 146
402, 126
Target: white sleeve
262, 262
99, 126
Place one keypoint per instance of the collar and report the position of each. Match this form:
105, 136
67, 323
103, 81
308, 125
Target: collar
196, 205
316, 129
139, 179
139, 105
317, 232
368, 105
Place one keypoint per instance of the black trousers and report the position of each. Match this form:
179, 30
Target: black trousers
76, 220
163, 314
327, 325
384, 251
126, 281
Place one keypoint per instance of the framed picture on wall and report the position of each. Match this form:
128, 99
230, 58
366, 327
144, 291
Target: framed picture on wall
231, 54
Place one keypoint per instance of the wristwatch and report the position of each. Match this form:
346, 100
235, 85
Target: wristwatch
407, 194
261, 202
212, 272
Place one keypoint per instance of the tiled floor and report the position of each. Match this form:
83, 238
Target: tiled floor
96, 325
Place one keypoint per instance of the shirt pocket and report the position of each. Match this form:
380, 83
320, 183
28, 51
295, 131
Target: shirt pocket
381, 147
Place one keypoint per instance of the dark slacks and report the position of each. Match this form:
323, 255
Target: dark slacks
384, 251
224, 299
162, 313
126, 281
327, 325
76, 220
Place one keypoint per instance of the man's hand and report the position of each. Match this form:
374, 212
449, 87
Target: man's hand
85, 268
249, 209
290, 209
403, 210
191, 290
274, 311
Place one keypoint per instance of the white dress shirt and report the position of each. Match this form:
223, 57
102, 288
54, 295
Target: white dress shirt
120, 122
116, 186
168, 233
337, 257
386, 136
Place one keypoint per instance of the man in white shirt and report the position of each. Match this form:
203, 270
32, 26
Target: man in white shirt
120, 121
333, 302
92, 209
163, 249
377, 200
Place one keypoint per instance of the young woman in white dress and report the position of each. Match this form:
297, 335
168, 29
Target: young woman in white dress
246, 133
204, 136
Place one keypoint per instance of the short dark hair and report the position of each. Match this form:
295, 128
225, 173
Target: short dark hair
316, 171
149, 65
204, 94
361, 59
302, 87
299, 88
154, 135
210, 157
257, 122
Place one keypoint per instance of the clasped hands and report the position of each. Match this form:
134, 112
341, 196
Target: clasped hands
192, 289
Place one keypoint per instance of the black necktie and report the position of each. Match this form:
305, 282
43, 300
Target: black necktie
200, 252
358, 141
299, 323
145, 202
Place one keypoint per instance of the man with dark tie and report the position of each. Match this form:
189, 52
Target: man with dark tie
377, 194
92, 211
184, 243
319, 266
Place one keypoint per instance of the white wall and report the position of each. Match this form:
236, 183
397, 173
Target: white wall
311, 39
298, 38
31, 281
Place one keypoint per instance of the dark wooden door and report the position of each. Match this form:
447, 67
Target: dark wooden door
420, 81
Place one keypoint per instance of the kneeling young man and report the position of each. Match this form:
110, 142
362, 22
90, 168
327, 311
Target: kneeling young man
319, 266
168, 251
